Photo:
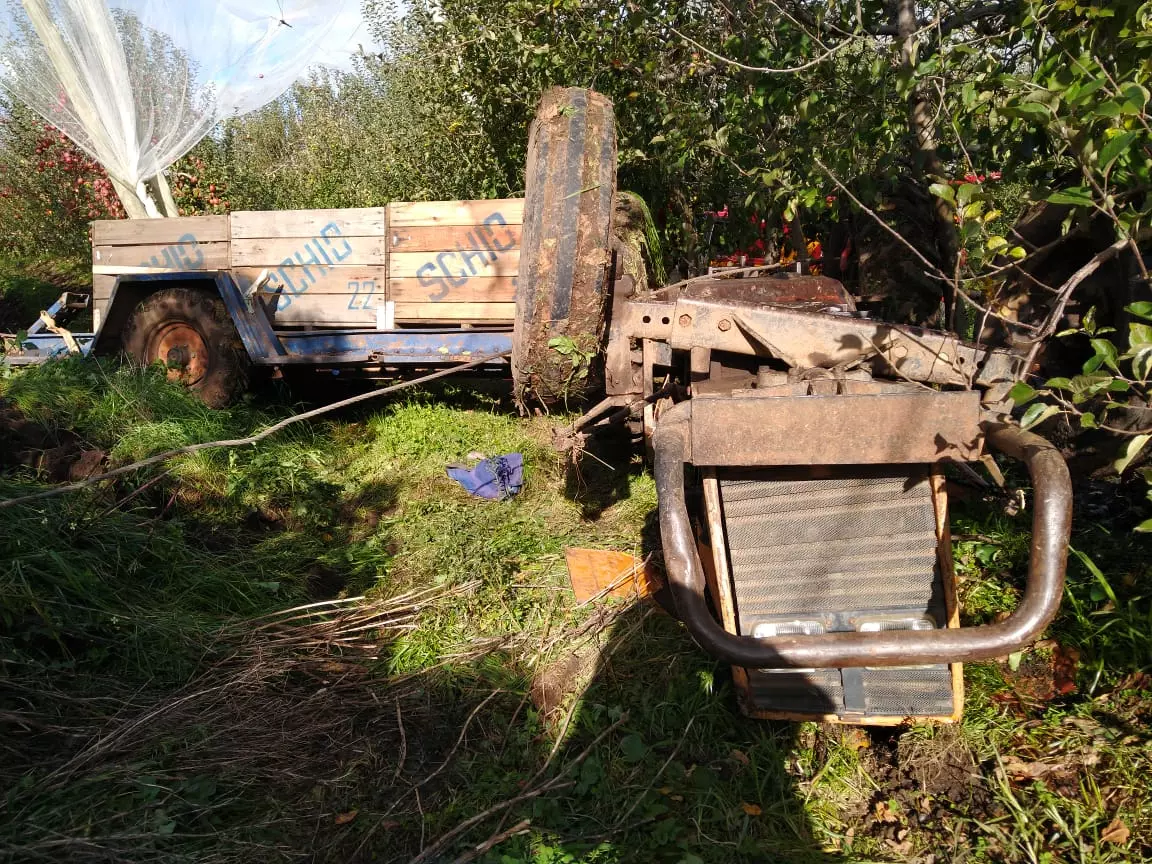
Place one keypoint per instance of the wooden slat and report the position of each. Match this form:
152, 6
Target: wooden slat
172, 256
349, 222
403, 214
495, 237
332, 309
133, 232
329, 250
327, 310
479, 289
315, 280
455, 311
102, 287
451, 268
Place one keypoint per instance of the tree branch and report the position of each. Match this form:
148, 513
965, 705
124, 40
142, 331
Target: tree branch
960, 19
769, 70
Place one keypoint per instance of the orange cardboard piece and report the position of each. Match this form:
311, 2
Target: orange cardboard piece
597, 573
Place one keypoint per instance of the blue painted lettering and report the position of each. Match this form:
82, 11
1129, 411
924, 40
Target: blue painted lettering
427, 281
333, 230
283, 270
320, 249
454, 279
355, 286
498, 219
483, 242
311, 259
181, 250
467, 257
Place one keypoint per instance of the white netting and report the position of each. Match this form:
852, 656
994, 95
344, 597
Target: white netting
136, 83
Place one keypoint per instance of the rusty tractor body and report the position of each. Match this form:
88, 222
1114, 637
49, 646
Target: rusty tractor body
799, 446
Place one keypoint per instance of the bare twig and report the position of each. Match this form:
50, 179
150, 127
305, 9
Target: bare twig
1066, 290
552, 785
444, 839
403, 745
493, 841
656, 776
459, 739
765, 69
876, 217
251, 439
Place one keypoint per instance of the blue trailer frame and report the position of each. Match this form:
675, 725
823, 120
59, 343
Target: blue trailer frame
267, 346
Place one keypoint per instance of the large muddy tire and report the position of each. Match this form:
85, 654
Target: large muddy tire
565, 251
190, 332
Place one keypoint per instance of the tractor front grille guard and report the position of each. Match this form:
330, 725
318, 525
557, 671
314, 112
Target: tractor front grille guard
745, 430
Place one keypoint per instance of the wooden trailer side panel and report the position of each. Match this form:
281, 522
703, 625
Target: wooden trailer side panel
446, 262
124, 246
326, 268
454, 261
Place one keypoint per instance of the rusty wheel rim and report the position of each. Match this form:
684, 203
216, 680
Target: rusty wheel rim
180, 347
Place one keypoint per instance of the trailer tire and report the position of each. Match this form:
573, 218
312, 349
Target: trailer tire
565, 253
191, 333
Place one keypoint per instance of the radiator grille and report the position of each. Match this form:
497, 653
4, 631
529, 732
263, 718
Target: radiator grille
843, 546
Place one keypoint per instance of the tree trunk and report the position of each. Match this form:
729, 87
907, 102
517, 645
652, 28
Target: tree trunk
925, 157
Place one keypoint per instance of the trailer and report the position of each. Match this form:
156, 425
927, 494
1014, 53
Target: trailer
799, 447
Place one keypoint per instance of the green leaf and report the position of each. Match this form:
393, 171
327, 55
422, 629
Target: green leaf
1135, 98
943, 190
1108, 352
1021, 393
1079, 196
1058, 383
633, 747
1144, 527
1091, 567
1088, 420
1139, 336
1084, 91
973, 210
1131, 450
1036, 414
1115, 148
1087, 385
1142, 364
996, 242
1017, 253
1032, 109
1143, 309
966, 191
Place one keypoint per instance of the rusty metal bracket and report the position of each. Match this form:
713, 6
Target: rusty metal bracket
805, 339
1051, 526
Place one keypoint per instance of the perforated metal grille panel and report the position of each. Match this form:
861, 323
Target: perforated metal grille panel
851, 547
908, 692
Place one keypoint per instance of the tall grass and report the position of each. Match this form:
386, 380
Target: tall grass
149, 714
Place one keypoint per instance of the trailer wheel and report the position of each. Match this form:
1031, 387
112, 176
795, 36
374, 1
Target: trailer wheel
190, 332
562, 290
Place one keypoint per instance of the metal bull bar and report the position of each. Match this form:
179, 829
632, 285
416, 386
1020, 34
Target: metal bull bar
1051, 526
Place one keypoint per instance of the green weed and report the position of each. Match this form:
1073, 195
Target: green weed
118, 608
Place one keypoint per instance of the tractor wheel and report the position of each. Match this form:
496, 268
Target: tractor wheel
189, 331
565, 258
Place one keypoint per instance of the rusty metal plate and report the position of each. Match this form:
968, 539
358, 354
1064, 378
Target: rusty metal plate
836, 430
781, 288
